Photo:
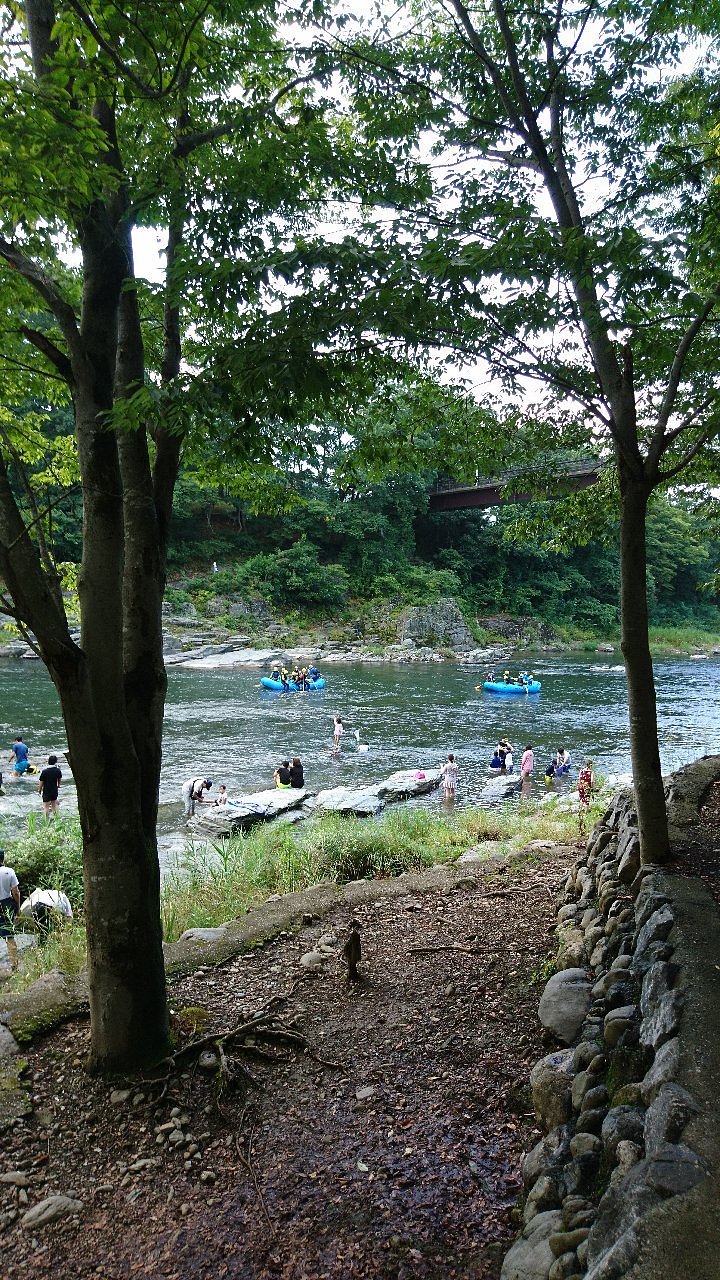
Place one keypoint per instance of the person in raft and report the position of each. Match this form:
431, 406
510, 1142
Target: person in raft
527, 763
222, 796
281, 775
19, 752
586, 782
496, 763
297, 776
449, 771
338, 730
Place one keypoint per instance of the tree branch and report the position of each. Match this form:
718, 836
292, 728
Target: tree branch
123, 67
691, 453
50, 351
660, 439
35, 276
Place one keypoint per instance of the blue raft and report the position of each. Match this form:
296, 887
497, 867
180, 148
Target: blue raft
291, 686
499, 686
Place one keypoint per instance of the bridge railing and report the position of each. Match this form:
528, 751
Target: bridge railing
561, 468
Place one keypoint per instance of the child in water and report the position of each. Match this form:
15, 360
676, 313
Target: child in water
449, 770
585, 784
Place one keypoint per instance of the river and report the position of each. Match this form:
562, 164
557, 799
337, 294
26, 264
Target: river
222, 724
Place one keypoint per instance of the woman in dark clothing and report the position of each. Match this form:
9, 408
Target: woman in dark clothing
297, 778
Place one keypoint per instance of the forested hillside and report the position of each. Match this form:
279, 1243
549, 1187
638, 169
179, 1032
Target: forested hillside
331, 552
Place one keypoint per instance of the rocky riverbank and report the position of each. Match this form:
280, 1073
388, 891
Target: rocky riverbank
205, 637
430, 633
625, 1181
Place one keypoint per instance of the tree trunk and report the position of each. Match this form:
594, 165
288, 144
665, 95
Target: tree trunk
126, 974
645, 754
113, 717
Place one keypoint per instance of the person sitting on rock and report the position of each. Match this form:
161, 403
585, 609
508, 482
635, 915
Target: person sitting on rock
282, 776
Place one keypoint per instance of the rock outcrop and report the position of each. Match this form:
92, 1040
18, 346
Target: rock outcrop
440, 625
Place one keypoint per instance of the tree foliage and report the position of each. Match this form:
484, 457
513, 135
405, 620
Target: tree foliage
214, 123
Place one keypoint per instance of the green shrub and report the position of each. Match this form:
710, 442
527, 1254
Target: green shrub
49, 856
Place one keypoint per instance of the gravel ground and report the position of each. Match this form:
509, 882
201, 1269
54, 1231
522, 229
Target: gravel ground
400, 1161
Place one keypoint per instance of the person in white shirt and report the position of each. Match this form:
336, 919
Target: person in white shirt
9, 907
47, 908
193, 793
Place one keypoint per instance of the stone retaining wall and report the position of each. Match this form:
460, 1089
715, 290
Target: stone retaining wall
625, 1181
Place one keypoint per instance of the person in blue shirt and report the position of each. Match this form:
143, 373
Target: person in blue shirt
496, 763
19, 752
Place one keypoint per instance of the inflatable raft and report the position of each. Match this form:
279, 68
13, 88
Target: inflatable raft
499, 686
291, 686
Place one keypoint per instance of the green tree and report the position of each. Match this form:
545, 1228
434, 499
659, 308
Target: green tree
571, 244
204, 119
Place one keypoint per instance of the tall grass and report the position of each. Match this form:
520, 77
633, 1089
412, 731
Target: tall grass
49, 856
686, 639
216, 883
65, 949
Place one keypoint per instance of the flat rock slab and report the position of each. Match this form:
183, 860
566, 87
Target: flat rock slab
361, 801
409, 782
233, 658
243, 811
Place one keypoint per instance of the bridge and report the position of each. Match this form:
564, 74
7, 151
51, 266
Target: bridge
452, 495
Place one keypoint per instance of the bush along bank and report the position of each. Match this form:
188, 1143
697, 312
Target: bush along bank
624, 1182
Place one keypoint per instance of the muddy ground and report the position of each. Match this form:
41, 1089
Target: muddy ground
398, 1160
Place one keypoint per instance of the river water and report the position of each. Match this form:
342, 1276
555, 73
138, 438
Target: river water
224, 725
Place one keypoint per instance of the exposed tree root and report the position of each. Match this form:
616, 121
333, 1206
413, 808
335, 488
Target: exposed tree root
263, 1025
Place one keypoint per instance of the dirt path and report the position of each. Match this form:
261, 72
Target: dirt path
402, 1164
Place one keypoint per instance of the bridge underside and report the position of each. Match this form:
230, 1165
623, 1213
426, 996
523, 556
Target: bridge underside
491, 494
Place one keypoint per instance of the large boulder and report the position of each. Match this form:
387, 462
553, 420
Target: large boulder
436, 624
564, 1003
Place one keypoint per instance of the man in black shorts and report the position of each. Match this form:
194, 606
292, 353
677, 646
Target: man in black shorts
49, 785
